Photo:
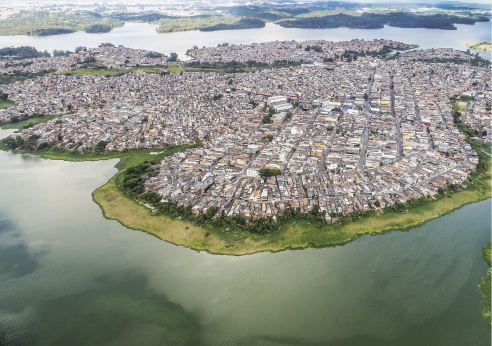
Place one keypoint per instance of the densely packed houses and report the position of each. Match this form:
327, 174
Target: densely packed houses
269, 52
105, 55
369, 133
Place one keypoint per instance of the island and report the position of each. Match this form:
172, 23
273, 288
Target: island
481, 47
338, 140
245, 23
97, 28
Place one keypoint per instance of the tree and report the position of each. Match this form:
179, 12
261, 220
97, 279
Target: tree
211, 211
366, 96
315, 210
173, 57
265, 172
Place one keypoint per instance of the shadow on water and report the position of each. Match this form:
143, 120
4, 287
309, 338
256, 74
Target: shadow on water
17, 258
123, 310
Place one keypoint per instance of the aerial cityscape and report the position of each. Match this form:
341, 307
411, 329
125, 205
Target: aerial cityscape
294, 125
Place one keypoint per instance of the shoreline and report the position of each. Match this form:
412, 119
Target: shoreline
298, 234
292, 235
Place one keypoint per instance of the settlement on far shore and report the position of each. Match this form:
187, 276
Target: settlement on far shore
340, 128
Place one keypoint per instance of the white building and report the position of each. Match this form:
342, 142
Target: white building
276, 100
253, 172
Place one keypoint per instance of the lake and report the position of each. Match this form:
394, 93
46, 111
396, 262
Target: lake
68, 276
144, 36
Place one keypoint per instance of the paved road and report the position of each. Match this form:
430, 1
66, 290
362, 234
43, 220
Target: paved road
365, 109
417, 113
399, 145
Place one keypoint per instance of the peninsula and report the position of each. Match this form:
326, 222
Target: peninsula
482, 47
345, 140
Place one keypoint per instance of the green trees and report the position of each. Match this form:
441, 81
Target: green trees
268, 138
211, 211
97, 28
265, 172
61, 52
101, 145
245, 23
173, 57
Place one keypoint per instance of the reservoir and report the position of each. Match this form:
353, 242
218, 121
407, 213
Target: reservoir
144, 36
68, 276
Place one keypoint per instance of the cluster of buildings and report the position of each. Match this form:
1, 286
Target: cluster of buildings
106, 55
365, 134
290, 50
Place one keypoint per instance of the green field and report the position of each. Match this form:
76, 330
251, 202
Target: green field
30, 122
6, 104
174, 68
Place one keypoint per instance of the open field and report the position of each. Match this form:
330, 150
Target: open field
292, 235
30, 122
6, 104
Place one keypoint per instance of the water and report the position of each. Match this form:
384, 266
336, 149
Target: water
68, 276
144, 36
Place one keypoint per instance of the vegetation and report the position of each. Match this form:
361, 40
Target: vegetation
485, 286
377, 21
192, 23
245, 23
482, 46
20, 76
240, 236
6, 104
40, 23
97, 28
265, 172
475, 60
23, 52
26, 122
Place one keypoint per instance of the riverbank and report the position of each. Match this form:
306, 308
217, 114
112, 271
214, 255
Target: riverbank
296, 234
485, 286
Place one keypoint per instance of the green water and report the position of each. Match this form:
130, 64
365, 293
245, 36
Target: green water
70, 277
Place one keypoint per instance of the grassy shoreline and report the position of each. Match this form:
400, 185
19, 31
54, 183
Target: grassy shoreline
485, 285
295, 234
298, 234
